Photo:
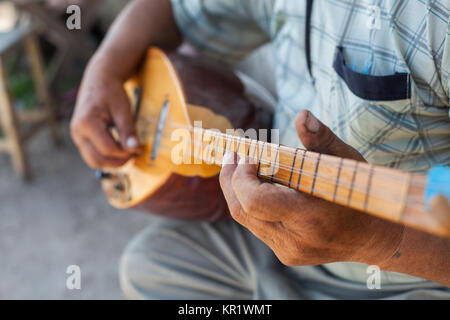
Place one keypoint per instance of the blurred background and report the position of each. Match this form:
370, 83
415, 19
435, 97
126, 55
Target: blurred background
53, 213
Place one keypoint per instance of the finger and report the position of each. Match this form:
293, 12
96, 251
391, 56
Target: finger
95, 160
261, 200
124, 122
262, 229
226, 174
98, 133
266, 231
317, 137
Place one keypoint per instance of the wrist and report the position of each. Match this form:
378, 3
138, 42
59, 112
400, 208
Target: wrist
104, 65
383, 245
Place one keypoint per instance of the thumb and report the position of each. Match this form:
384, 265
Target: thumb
317, 137
124, 122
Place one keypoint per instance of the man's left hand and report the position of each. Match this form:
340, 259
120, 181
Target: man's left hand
301, 229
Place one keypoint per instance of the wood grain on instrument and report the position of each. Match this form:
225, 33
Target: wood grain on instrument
384, 192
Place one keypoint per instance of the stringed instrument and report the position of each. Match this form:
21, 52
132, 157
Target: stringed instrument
175, 144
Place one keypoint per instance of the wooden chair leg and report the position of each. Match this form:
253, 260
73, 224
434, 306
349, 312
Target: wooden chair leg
36, 64
10, 127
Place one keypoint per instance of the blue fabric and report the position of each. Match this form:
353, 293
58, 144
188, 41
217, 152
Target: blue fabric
438, 183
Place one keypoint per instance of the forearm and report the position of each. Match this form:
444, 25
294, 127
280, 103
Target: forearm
422, 255
141, 24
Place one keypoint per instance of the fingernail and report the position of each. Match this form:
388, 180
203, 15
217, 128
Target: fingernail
132, 143
312, 124
228, 158
241, 161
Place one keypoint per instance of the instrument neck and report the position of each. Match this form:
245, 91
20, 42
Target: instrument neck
381, 191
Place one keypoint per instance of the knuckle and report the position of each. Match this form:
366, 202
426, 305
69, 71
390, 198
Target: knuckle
74, 132
81, 124
75, 126
239, 216
254, 201
288, 261
286, 258
236, 213
251, 202
93, 163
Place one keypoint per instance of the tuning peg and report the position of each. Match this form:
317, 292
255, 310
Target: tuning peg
100, 175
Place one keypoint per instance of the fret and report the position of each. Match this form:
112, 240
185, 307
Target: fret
216, 148
225, 149
198, 132
315, 174
242, 143
209, 141
260, 158
246, 144
249, 146
292, 167
210, 148
360, 186
346, 176
207, 152
407, 190
324, 170
397, 190
341, 162
236, 141
369, 186
352, 185
255, 151
275, 164
222, 147
309, 167
300, 173
238, 145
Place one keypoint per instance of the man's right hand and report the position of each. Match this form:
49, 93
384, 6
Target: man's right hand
102, 104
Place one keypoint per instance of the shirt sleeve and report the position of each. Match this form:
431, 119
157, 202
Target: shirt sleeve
224, 29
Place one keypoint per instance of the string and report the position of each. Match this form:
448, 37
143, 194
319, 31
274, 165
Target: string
308, 155
358, 187
362, 169
409, 204
214, 134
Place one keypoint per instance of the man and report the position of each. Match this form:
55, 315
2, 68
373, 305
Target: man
375, 73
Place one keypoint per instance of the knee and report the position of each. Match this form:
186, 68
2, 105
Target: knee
141, 271
134, 262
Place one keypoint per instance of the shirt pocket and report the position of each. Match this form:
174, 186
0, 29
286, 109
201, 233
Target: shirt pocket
375, 113
373, 88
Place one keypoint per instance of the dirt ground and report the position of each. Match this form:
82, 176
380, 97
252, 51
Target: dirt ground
59, 219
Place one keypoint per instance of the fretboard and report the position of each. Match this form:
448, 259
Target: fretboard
380, 191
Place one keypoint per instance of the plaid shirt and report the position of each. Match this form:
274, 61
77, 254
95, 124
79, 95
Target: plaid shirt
379, 38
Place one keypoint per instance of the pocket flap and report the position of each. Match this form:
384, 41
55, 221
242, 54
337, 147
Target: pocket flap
369, 87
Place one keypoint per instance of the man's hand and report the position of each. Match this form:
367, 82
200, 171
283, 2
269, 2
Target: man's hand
102, 104
300, 229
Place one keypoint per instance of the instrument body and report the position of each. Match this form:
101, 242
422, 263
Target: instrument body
159, 187
164, 119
